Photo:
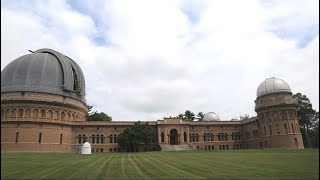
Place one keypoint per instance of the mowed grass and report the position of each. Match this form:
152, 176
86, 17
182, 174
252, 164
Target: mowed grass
231, 164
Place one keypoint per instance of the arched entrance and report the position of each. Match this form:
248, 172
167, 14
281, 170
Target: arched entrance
174, 137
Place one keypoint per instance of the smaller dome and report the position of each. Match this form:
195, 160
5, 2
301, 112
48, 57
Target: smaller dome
272, 85
86, 144
211, 116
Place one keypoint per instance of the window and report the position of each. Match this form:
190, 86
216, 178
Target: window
98, 139
17, 137
60, 138
162, 137
111, 139
270, 129
211, 138
79, 139
93, 139
20, 112
43, 113
232, 136
204, 137
102, 138
219, 137
40, 136
115, 139
264, 129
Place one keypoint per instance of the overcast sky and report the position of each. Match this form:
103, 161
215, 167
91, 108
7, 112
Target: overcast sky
145, 60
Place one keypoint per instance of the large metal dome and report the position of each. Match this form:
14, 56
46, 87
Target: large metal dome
273, 85
211, 116
46, 71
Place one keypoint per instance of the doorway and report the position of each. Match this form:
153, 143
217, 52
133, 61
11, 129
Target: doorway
174, 137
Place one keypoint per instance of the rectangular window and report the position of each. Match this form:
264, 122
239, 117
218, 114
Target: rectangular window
60, 138
40, 136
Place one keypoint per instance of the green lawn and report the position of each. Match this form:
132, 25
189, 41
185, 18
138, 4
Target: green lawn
240, 164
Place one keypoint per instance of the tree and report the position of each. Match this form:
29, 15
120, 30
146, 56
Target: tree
246, 116
308, 118
234, 119
190, 116
99, 117
181, 116
96, 116
136, 135
200, 116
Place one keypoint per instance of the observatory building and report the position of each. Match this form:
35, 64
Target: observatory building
43, 109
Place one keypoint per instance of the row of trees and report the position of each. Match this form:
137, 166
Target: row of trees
190, 116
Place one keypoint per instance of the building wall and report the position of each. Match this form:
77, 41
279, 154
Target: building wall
30, 114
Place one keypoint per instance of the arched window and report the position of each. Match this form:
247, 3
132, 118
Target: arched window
50, 114
8, 113
98, 139
115, 139
93, 139
211, 137
111, 138
102, 138
204, 137
185, 137
79, 139
232, 135
43, 113
84, 137
2, 113
197, 137
35, 113
14, 112
20, 113
55, 115
219, 138
63, 115
28, 113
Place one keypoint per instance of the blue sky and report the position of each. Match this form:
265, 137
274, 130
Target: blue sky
145, 60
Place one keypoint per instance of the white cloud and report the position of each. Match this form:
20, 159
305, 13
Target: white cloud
163, 57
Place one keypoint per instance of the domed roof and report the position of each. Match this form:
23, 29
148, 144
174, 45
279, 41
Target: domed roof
211, 116
44, 70
86, 144
273, 85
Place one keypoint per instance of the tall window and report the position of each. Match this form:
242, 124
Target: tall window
264, 129
204, 137
102, 138
60, 138
185, 136
232, 136
111, 138
17, 137
115, 139
211, 137
162, 137
40, 136
219, 137
270, 129
93, 139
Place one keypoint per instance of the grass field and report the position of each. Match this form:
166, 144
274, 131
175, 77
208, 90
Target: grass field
240, 164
